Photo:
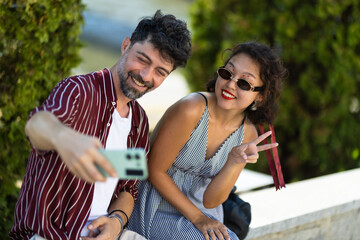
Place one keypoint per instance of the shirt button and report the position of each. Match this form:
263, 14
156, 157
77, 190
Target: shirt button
113, 103
108, 124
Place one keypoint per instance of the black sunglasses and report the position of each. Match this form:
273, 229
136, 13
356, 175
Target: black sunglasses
242, 83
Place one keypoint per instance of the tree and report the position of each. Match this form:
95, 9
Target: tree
319, 42
39, 45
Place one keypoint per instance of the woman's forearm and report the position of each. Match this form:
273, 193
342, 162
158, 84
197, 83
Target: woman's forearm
219, 188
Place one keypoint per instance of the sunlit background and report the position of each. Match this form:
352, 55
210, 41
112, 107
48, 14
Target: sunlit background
317, 127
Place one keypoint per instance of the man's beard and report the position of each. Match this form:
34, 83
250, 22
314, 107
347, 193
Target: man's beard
128, 90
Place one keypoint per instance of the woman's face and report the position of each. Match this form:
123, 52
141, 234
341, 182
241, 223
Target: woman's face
229, 95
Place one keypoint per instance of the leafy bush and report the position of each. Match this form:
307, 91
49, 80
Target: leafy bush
39, 43
319, 42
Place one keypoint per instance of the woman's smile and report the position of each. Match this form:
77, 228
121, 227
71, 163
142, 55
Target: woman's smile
227, 95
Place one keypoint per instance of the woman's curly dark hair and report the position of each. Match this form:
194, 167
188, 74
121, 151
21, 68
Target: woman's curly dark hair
272, 72
168, 34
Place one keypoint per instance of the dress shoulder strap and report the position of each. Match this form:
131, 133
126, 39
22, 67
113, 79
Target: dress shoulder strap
203, 97
243, 121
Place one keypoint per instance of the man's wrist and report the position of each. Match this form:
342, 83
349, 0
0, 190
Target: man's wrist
124, 213
118, 217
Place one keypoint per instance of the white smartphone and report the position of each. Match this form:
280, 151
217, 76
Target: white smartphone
128, 163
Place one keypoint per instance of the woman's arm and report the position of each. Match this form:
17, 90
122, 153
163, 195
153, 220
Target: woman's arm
169, 136
219, 188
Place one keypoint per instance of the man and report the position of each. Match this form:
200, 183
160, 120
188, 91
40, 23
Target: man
63, 195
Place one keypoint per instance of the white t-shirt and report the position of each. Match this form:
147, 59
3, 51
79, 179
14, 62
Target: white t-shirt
103, 191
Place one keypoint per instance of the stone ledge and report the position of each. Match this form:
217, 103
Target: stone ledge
327, 207
340, 222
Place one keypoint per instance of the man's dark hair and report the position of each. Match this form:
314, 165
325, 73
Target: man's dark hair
168, 34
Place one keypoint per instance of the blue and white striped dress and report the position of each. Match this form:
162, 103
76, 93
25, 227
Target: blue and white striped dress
154, 217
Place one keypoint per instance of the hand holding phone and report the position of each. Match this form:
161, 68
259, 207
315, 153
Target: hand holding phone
128, 163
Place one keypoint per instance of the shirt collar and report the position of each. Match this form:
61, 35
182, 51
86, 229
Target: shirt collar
108, 83
110, 94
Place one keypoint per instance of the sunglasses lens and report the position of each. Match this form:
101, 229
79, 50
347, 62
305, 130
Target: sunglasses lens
225, 74
244, 85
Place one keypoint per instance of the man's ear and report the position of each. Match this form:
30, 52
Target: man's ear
125, 45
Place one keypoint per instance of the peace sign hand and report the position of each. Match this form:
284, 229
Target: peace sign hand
248, 152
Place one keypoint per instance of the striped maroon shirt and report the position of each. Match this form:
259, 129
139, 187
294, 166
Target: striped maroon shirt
52, 202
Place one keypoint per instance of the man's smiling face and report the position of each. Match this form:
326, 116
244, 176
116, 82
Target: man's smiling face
142, 68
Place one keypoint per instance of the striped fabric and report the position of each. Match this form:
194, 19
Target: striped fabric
52, 202
157, 219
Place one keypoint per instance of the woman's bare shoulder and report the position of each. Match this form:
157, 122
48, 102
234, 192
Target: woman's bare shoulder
182, 115
191, 106
250, 130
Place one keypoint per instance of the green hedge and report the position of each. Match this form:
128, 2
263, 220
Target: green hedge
39, 44
318, 126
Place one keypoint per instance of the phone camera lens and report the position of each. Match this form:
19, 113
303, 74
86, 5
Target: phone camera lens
137, 157
128, 156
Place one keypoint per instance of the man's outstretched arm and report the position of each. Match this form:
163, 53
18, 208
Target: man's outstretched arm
79, 152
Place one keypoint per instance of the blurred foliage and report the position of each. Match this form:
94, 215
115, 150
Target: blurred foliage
39, 44
319, 42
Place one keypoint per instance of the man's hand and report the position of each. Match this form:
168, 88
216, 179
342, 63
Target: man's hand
107, 229
80, 153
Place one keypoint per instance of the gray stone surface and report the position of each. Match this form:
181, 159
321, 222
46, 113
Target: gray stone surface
322, 208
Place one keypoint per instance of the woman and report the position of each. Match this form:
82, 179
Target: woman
201, 145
